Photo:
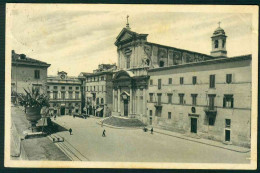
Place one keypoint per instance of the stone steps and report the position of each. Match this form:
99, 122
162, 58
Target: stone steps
122, 122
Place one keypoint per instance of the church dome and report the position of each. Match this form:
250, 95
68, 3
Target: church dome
219, 31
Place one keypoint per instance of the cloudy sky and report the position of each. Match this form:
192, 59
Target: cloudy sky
76, 38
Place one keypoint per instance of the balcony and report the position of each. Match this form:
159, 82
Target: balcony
210, 110
158, 105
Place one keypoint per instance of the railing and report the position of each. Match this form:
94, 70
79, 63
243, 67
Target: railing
210, 109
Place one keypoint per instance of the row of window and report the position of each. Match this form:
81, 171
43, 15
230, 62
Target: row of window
95, 79
95, 88
228, 100
63, 95
67, 104
211, 120
194, 81
97, 100
62, 87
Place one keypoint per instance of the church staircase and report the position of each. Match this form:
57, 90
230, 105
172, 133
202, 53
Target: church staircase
122, 122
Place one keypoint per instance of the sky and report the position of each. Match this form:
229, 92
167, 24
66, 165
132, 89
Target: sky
76, 38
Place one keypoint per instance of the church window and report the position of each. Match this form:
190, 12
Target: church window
216, 43
128, 62
148, 62
161, 64
223, 43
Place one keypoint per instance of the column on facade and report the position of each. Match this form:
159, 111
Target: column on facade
144, 101
137, 101
114, 100
131, 100
118, 99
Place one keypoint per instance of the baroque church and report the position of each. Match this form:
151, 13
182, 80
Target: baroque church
136, 56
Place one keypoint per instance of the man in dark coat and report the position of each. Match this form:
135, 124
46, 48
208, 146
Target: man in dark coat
104, 133
70, 130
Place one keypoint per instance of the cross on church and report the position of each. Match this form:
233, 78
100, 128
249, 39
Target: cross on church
219, 24
127, 24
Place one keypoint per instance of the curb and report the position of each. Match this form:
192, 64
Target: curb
129, 128
202, 142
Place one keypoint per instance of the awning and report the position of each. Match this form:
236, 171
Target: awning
99, 109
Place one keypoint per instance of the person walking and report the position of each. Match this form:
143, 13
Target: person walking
70, 130
104, 133
54, 117
152, 130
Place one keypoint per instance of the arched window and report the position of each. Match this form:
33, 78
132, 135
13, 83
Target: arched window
216, 43
128, 62
148, 62
223, 43
97, 101
161, 64
102, 101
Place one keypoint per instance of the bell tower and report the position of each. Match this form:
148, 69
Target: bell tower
218, 40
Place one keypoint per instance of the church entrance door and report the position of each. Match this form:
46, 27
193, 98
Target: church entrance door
125, 107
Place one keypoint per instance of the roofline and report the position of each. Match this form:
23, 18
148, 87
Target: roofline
213, 61
30, 64
181, 49
98, 73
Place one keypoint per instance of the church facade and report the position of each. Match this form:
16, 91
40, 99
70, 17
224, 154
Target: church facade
184, 91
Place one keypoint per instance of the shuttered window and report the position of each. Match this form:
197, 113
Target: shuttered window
228, 78
159, 83
228, 101
181, 80
37, 74
194, 80
212, 81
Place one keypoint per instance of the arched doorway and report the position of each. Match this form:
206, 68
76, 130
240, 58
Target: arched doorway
125, 107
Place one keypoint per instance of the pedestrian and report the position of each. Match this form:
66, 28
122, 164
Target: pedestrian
70, 130
55, 117
104, 133
152, 130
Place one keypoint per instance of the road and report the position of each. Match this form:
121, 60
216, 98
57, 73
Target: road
134, 145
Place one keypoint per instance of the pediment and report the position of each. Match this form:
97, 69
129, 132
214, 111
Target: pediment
123, 75
124, 35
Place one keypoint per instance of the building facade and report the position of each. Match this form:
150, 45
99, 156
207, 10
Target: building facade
64, 94
28, 73
98, 91
189, 92
210, 99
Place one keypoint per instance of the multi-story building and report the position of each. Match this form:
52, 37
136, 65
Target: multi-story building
98, 90
211, 99
28, 73
204, 95
64, 94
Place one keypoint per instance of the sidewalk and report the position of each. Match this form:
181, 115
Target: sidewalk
202, 141
31, 149
186, 137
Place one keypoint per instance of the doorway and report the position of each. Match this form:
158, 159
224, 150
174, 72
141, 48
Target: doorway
125, 107
151, 120
227, 135
193, 128
62, 111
